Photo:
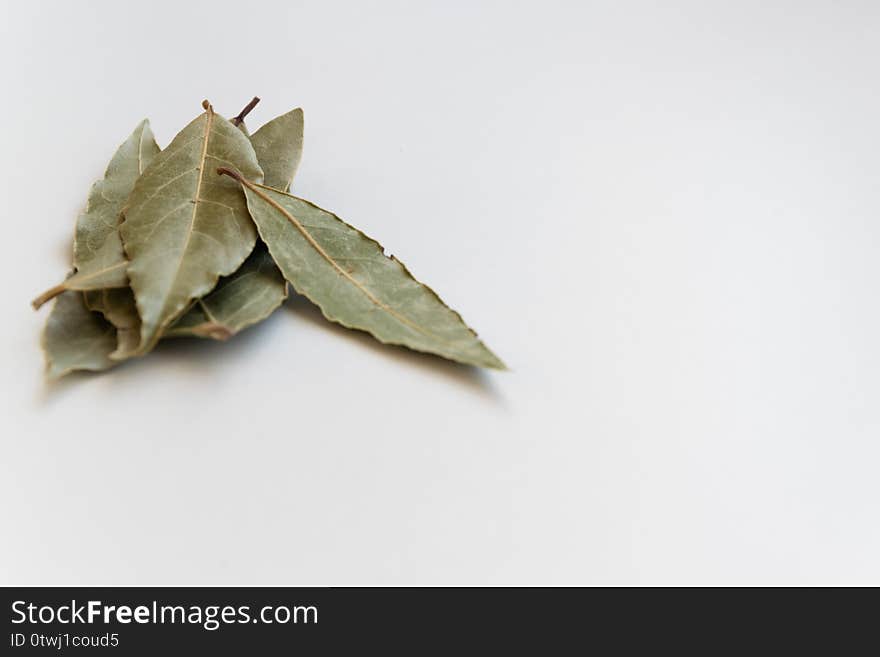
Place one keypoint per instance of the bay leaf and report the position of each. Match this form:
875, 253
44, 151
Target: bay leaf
348, 275
250, 295
98, 256
185, 226
278, 145
236, 304
75, 338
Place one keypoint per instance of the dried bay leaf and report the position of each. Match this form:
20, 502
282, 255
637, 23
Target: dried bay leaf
250, 295
355, 284
236, 304
185, 226
75, 338
278, 145
100, 221
98, 256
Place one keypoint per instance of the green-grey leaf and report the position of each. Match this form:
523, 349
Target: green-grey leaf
75, 338
100, 220
350, 278
185, 226
236, 304
279, 148
98, 256
245, 298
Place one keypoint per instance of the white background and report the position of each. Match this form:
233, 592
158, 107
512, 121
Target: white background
664, 219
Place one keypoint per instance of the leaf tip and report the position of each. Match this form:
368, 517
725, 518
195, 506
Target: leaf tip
495, 363
207, 106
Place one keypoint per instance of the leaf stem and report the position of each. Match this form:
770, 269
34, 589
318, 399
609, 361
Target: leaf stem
51, 293
243, 113
232, 173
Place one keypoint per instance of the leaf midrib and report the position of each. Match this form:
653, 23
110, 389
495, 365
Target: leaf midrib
209, 117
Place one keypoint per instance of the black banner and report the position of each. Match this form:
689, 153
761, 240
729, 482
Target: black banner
236, 621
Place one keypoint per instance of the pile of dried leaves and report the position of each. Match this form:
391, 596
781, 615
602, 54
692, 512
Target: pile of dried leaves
201, 239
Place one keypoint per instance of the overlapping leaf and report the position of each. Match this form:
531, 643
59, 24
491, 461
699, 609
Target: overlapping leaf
185, 226
350, 278
236, 304
278, 145
75, 338
98, 257
241, 300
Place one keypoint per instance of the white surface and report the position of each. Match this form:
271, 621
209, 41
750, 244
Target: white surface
665, 221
